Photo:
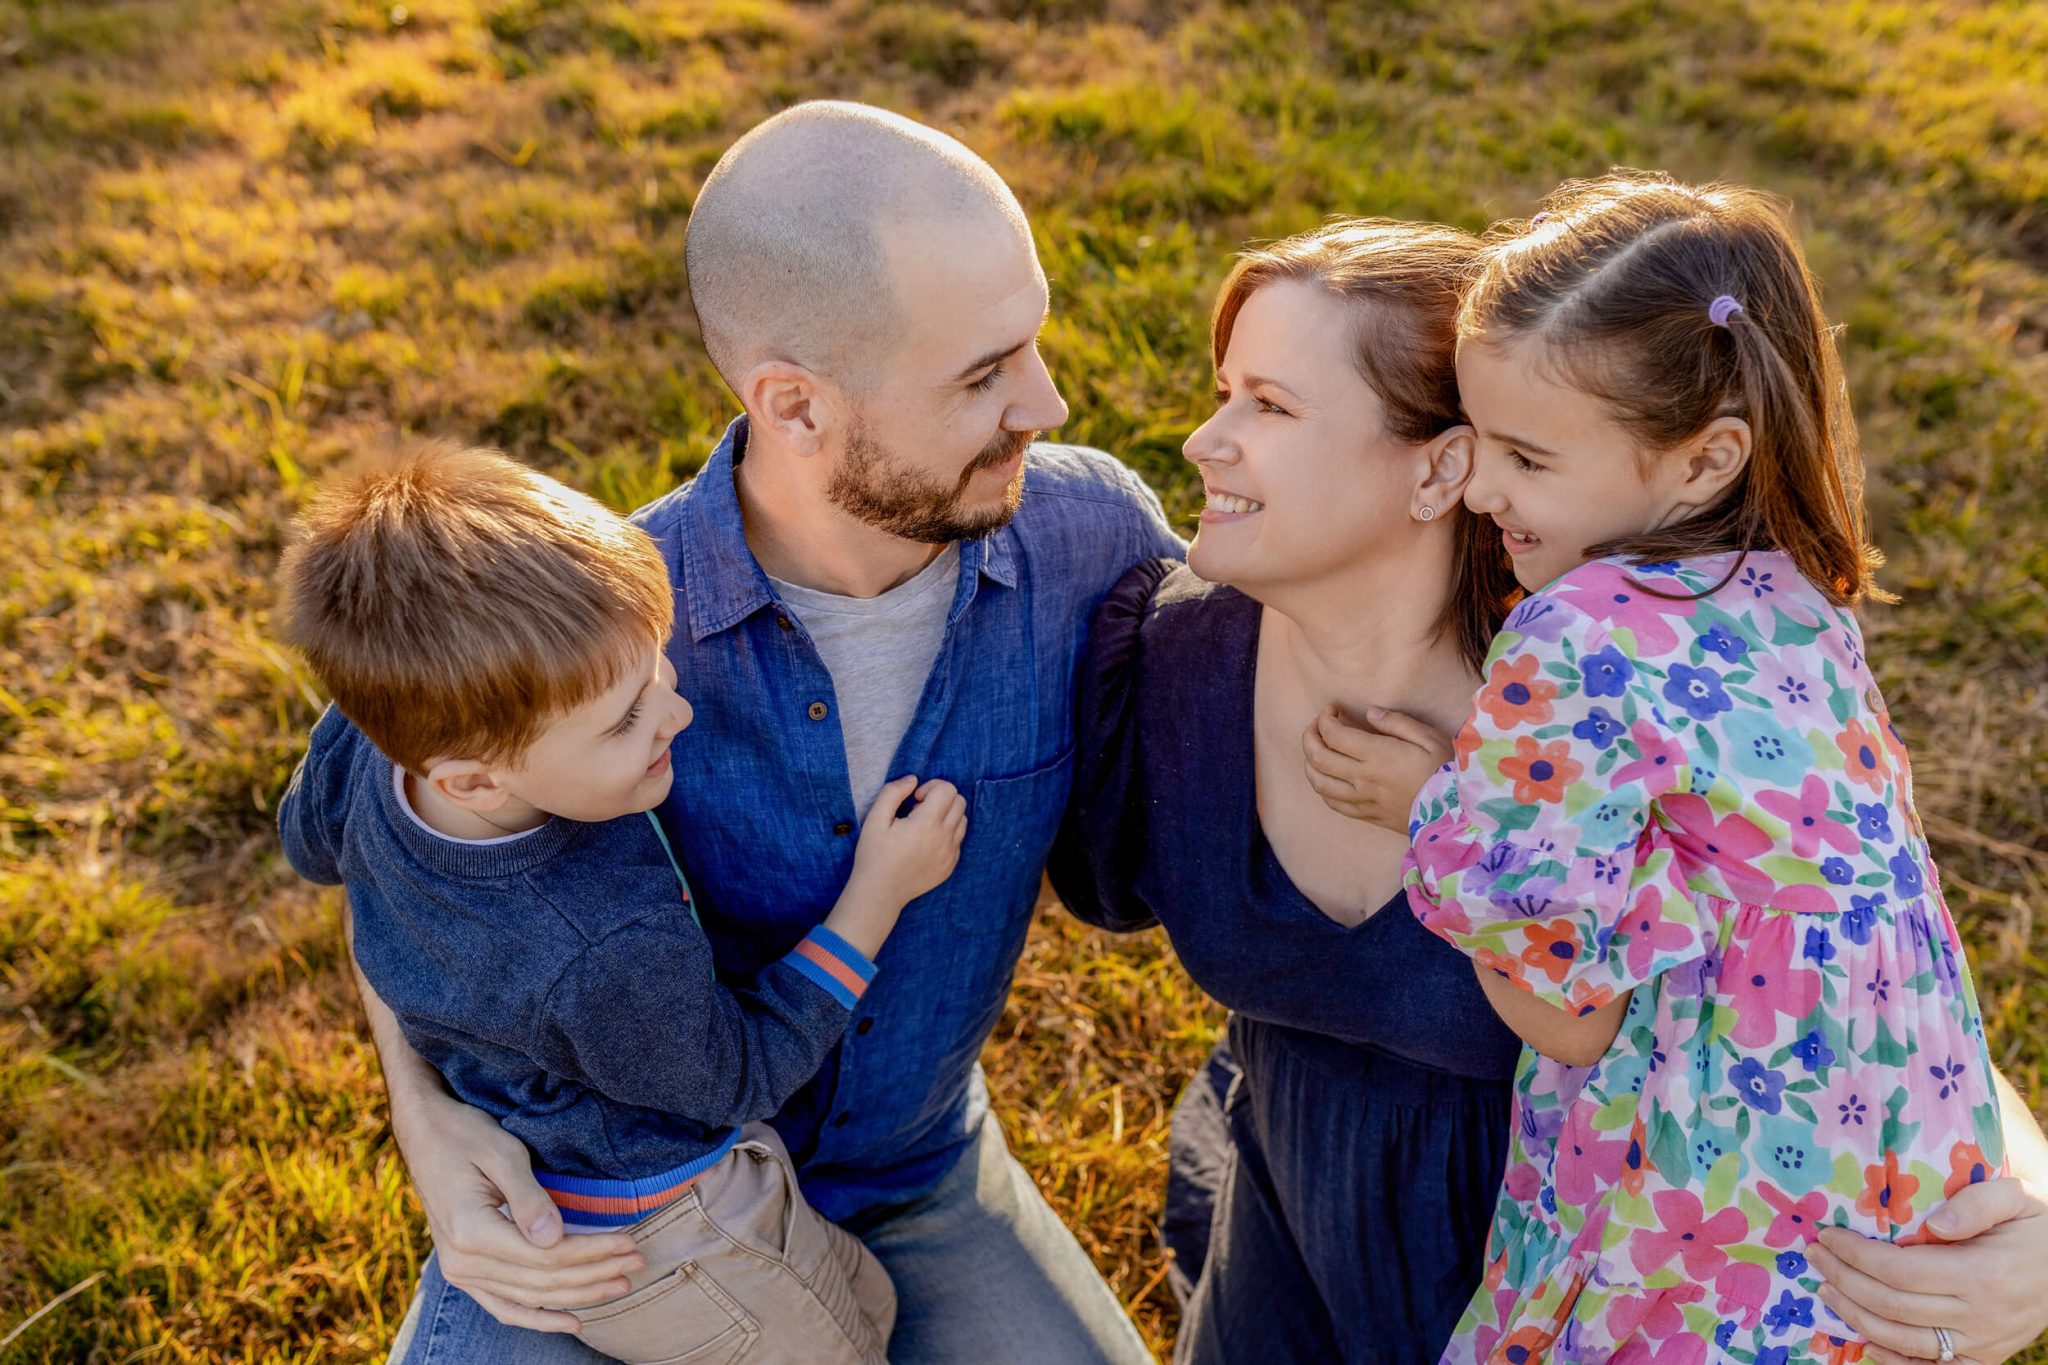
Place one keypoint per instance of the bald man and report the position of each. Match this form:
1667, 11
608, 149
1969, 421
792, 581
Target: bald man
878, 572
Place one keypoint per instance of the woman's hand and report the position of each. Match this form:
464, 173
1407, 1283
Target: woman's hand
498, 1235
1372, 774
1985, 1283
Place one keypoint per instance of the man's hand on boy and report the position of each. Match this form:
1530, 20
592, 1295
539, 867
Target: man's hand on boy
1372, 774
498, 1235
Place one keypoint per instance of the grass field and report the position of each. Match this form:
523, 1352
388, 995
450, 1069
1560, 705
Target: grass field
243, 239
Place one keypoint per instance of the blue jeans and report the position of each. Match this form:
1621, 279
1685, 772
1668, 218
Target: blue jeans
985, 1274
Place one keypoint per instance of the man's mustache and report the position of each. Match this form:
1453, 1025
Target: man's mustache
999, 452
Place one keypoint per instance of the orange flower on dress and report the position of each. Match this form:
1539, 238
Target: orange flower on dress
1887, 1195
1966, 1166
1552, 949
1635, 1163
1524, 1346
1541, 772
1587, 997
1514, 695
1833, 1350
1466, 743
1865, 753
1509, 967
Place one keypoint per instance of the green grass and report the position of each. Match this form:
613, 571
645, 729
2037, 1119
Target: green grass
241, 242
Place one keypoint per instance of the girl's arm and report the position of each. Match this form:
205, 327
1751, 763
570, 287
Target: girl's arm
1987, 1285
1575, 1039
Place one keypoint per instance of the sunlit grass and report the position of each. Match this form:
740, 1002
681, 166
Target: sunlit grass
242, 242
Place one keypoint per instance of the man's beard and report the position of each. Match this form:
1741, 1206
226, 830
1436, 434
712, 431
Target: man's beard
873, 487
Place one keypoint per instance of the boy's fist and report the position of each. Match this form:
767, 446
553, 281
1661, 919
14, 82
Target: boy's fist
908, 855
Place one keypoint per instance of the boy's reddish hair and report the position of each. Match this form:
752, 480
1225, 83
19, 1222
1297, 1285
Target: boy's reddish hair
456, 601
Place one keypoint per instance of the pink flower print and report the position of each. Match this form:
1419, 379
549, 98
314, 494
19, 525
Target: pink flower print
1797, 1221
1662, 757
1684, 1230
1849, 1109
1742, 1287
1807, 814
1762, 983
1651, 936
1615, 602
1587, 1164
1727, 845
1658, 1316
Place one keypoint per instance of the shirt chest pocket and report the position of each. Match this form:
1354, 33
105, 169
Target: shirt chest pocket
1010, 826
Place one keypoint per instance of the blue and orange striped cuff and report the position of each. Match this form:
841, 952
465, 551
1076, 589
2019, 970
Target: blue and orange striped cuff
841, 970
589, 1204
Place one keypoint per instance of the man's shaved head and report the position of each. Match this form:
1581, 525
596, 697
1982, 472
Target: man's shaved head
789, 245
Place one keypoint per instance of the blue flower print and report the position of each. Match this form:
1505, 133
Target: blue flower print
1774, 1355
1905, 870
1698, 690
1861, 918
1724, 642
1598, 728
1813, 1051
1724, 1333
1607, 672
1791, 1264
1874, 822
1536, 616
1759, 1086
1788, 1312
1837, 871
1758, 583
1949, 1076
1793, 690
1819, 948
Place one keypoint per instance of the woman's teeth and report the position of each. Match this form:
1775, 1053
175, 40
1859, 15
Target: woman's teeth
1225, 503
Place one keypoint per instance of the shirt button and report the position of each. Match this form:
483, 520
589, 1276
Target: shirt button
864, 1027
842, 829
1873, 699
782, 619
841, 1120
817, 710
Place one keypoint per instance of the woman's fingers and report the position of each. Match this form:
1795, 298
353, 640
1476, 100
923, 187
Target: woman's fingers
1911, 1307
1908, 1340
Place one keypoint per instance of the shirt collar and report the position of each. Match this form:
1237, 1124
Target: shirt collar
726, 584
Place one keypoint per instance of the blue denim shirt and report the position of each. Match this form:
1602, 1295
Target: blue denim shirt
762, 813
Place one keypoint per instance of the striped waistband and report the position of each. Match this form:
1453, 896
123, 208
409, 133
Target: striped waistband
589, 1204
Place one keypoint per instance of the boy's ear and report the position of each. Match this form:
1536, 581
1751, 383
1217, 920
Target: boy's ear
1450, 469
467, 783
1714, 460
797, 407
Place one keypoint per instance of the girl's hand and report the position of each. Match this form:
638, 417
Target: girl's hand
1372, 774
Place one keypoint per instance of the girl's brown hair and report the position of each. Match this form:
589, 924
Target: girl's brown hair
1618, 278
1403, 281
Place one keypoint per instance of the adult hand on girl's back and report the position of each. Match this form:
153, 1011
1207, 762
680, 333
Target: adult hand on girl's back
1372, 774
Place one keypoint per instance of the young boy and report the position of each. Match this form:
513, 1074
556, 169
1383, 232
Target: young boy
484, 786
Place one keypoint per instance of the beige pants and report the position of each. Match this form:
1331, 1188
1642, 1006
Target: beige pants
741, 1271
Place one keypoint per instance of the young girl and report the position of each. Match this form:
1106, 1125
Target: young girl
1679, 827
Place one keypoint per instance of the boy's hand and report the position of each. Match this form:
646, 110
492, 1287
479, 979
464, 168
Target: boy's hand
901, 858
1372, 774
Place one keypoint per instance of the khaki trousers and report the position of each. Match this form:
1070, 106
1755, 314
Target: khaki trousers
741, 1271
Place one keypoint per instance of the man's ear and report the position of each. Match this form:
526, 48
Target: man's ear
1714, 460
1450, 469
794, 405
467, 783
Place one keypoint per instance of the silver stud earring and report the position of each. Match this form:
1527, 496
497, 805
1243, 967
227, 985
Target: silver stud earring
1426, 514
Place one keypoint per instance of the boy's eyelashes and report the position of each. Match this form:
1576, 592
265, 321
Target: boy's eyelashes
627, 724
1522, 462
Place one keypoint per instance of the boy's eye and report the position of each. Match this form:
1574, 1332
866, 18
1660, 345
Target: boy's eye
626, 725
987, 381
1523, 462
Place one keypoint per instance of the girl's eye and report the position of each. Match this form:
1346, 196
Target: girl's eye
1523, 462
987, 381
625, 726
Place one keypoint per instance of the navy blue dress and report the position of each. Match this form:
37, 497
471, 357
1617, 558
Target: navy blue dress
1360, 1144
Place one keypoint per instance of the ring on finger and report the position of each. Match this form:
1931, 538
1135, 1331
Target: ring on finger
1944, 1344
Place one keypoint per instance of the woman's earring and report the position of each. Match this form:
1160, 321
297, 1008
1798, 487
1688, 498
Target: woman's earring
1426, 514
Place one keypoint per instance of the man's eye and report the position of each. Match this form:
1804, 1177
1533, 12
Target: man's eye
987, 381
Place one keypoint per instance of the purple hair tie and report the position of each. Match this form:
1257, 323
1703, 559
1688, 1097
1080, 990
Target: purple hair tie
1721, 309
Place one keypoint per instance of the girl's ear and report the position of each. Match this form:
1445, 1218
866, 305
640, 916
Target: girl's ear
1450, 469
1714, 460
467, 783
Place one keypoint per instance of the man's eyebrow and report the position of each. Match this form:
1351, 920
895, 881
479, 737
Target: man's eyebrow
1514, 440
993, 357
638, 697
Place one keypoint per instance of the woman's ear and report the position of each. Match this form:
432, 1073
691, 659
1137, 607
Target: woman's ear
791, 404
1714, 460
467, 783
1450, 469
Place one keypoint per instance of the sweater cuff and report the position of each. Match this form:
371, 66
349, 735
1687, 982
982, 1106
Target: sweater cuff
838, 968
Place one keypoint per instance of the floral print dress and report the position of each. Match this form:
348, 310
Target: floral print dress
1680, 781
